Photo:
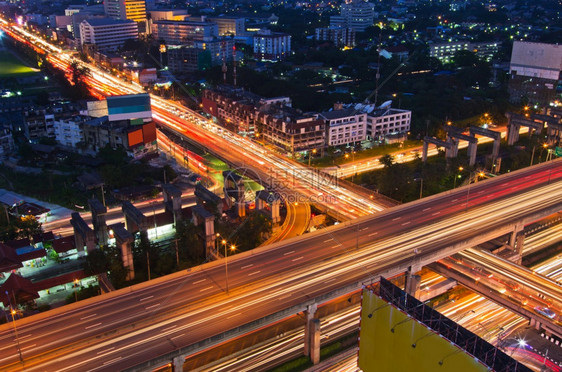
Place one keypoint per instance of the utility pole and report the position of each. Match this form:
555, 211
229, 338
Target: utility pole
148, 263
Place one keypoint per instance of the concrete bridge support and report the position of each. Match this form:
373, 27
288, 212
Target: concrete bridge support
264, 197
177, 363
312, 334
514, 123
450, 148
413, 281
234, 189
83, 234
517, 241
124, 241
98, 220
172, 200
203, 216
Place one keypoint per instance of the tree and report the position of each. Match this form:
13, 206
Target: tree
190, 244
28, 226
96, 262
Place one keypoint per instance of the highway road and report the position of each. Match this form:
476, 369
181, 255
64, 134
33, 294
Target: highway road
474, 312
271, 168
126, 327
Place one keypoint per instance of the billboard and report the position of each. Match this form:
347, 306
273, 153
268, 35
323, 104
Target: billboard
386, 340
400, 333
135, 137
128, 107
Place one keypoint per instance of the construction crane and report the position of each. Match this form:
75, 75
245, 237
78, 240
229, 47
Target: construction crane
378, 87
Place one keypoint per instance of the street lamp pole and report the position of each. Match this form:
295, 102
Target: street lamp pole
310, 156
225, 263
457, 176
76, 281
13, 312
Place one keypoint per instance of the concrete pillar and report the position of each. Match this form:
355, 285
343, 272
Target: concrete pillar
98, 220
453, 149
260, 204
513, 133
314, 334
241, 207
177, 363
513, 236
424, 151
127, 257
309, 314
275, 217
519, 242
472, 153
78, 241
412, 285
496, 149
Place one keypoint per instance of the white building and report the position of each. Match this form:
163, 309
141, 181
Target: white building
385, 121
445, 52
107, 33
68, 132
184, 32
344, 126
271, 46
230, 26
357, 14
537, 60
536, 73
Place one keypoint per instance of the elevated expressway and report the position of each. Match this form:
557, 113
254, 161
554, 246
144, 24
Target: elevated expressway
267, 167
510, 285
164, 320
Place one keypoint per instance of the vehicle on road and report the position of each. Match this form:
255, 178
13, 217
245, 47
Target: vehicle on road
545, 311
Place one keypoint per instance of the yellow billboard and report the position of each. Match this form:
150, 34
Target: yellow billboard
390, 340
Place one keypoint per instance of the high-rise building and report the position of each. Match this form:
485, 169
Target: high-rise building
357, 15
271, 46
340, 36
230, 26
134, 10
535, 72
107, 33
181, 32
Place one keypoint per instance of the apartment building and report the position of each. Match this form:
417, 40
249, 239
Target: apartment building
446, 51
236, 108
271, 46
182, 32
344, 126
68, 131
107, 33
340, 36
291, 130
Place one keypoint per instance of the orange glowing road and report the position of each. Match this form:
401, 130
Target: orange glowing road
293, 179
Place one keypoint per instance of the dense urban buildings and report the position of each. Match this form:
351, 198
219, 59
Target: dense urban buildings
148, 119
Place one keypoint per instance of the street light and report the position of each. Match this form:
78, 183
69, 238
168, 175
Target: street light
232, 248
76, 281
457, 176
13, 312
310, 156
